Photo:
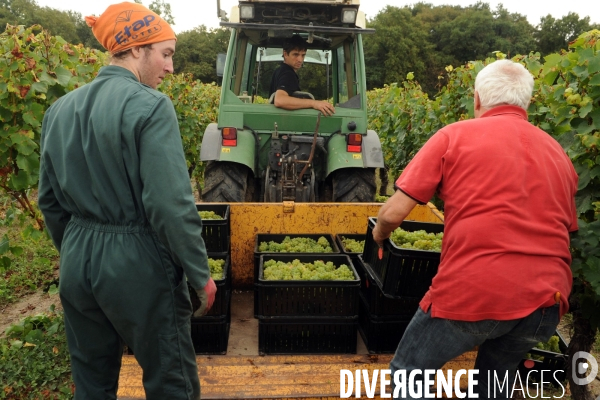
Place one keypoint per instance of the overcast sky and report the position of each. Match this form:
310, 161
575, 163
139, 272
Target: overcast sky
189, 14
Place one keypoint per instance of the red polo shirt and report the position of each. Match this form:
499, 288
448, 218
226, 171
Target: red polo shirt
508, 191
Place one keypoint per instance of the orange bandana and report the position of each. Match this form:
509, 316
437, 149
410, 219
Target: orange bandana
126, 25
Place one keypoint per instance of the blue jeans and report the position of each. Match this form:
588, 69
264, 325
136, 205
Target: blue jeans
429, 343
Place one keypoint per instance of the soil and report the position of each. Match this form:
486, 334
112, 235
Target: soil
32, 304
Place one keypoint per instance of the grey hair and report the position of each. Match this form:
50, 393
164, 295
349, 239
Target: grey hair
504, 82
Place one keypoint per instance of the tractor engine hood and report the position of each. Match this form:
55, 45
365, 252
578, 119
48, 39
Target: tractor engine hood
237, 114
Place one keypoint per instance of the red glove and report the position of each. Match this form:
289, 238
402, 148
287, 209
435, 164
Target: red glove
206, 297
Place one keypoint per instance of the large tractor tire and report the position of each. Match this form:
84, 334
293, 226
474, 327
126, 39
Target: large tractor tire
227, 182
354, 185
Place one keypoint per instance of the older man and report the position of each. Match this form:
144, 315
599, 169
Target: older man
508, 191
117, 200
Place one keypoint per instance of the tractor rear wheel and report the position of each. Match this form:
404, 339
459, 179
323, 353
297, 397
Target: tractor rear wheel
354, 185
227, 182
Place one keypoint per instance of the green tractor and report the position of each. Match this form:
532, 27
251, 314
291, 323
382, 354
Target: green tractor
260, 153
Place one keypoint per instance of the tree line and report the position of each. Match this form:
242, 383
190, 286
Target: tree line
419, 38
424, 39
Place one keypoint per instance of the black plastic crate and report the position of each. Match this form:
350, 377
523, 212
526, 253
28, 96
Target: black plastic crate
215, 232
267, 237
377, 303
307, 298
550, 361
291, 335
223, 295
355, 236
402, 272
380, 334
210, 335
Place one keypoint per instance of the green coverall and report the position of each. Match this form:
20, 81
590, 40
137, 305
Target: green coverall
116, 197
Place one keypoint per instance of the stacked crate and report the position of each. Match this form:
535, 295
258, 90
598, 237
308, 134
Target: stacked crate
402, 272
381, 320
267, 237
393, 281
306, 317
210, 333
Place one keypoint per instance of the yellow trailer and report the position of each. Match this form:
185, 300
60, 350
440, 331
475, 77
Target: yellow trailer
244, 374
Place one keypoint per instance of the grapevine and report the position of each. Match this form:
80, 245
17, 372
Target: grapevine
353, 246
209, 215
298, 271
297, 245
417, 240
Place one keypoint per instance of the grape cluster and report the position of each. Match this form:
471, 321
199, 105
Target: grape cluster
353, 246
297, 245
216, 269
298, 271
550, 345
417, 240
381, 199
209, 215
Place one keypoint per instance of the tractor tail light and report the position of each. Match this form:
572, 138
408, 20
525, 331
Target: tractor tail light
354, 141
229, 137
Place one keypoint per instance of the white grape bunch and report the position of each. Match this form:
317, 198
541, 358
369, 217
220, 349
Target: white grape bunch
352, 245
297, 245
209, 215
216, 268
299, 271
417, 240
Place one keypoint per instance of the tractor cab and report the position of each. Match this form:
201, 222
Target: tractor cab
258, 152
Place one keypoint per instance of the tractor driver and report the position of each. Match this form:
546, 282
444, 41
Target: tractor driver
285, 80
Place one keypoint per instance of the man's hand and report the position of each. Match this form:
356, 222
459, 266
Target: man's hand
391, 215
206, 297
325, 107
378, 236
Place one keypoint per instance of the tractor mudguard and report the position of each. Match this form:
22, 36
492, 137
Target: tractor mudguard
210, 149
370, 157
373, 154
213, 150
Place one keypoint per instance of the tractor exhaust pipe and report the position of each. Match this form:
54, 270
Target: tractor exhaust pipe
221, 14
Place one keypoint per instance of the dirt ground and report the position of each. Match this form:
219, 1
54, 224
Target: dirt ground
33, 304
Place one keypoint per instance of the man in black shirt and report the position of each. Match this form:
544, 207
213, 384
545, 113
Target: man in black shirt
285, 80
